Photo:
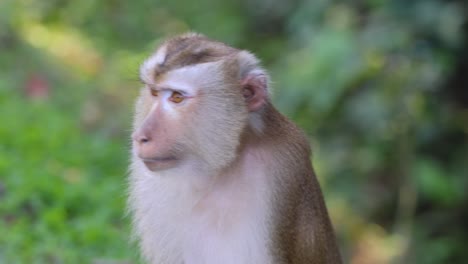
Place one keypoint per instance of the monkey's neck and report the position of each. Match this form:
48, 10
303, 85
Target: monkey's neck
273, 125
278, 136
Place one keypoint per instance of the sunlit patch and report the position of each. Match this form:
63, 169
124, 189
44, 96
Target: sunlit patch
67, 44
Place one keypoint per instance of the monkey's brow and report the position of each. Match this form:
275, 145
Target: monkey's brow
165, 88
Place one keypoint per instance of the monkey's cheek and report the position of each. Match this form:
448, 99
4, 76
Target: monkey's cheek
159, 165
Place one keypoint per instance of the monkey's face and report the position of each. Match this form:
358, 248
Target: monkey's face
193, 114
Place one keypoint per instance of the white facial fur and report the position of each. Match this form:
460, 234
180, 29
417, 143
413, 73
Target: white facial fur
225, 223
186, 80
190, 78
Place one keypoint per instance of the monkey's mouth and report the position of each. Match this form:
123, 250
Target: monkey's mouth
159, 163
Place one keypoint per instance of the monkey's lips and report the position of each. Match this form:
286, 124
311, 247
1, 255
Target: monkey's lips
159, 163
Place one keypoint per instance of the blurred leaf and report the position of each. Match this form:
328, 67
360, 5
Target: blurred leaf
434, 183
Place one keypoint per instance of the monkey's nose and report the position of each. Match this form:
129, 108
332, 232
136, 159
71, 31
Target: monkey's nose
141, 138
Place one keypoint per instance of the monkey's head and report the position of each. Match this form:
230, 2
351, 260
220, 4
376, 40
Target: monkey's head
200, 97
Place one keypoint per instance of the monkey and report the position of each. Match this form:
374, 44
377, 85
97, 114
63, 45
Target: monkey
217, 173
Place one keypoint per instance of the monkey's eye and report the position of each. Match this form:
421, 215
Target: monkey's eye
176, 97
154, 92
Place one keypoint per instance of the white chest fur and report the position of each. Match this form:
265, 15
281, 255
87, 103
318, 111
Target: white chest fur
224, 223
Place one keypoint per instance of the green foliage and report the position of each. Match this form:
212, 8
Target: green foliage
379, 86
62, 190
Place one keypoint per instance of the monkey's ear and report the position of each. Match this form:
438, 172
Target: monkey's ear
255, 90
254, 81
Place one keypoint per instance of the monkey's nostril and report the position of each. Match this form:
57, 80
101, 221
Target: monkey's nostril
140, 138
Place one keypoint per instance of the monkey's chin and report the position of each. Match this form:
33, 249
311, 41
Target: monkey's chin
159, 164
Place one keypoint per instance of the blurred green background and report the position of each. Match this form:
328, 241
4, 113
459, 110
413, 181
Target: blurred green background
380, 87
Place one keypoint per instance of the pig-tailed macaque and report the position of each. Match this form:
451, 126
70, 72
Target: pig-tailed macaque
218, 175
